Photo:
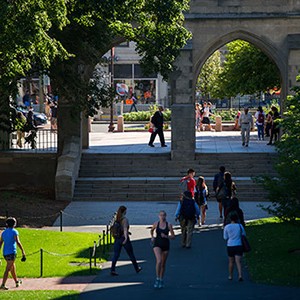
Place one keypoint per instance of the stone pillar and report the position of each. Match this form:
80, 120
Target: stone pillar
85, 132
69, 124
183, 109
218, 127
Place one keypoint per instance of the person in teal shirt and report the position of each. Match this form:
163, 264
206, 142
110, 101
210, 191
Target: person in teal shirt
10, 239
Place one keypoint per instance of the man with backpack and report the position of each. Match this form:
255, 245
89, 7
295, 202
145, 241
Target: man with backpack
188, 183
217, 183
187, 213
260, 123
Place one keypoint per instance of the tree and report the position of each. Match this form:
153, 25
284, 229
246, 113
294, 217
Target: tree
209, 77
247, 70
25, 43
96, 26
284, 191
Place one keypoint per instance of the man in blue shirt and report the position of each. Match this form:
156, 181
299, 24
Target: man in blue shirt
10, 239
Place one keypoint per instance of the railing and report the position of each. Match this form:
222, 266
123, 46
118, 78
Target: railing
45, 140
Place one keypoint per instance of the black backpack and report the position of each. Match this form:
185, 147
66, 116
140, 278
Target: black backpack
188, 210
116, 230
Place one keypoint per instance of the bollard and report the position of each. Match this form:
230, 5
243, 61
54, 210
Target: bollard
103, 243
91, 259
120, 124
41, 269
218, 127
61, 220
110, 238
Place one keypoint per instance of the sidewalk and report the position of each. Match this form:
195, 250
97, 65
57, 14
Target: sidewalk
200, 272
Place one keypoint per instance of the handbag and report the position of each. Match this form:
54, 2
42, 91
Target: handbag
245, 243
150, 130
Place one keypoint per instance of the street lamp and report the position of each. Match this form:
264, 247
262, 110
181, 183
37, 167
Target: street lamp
111, 126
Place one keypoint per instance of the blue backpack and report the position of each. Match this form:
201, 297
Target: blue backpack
188, 210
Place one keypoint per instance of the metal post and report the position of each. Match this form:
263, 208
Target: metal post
6, 213
103, 243
95, 248
91, 259
61, 220
111, 126
41, 270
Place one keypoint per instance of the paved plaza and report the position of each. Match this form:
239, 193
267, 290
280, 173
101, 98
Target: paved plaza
137, 142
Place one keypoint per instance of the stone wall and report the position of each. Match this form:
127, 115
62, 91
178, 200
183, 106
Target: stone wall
27, 170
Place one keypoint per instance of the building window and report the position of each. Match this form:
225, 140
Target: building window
123, 45
138, 72
122, 71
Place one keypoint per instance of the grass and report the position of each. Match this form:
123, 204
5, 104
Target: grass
57, 242
39, 295
273, 259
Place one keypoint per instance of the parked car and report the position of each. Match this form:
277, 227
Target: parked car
40, 119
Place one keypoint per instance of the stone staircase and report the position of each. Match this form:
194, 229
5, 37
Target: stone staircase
154, 177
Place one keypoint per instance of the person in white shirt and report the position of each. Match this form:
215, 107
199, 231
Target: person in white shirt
206, 114
246, 124
233, 235
260, 118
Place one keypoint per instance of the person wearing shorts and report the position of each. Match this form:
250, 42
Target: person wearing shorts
10, 239
161, 246
233, 235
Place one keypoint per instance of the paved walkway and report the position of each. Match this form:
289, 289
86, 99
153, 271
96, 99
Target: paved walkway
200, 272
206, 142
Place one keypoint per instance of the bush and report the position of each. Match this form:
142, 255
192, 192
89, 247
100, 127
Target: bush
284, 191
145, 115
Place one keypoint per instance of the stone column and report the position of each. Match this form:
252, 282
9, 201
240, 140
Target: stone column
85, 132
183, 109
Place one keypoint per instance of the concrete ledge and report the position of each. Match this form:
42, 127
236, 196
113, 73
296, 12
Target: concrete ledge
67, 169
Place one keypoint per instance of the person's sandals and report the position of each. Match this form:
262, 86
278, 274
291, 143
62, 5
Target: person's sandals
3, 287
18, 283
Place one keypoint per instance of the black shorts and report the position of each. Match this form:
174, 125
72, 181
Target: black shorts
206, 120
235, 251
164, 245
10, 257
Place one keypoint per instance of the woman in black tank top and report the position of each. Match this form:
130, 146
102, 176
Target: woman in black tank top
161, 245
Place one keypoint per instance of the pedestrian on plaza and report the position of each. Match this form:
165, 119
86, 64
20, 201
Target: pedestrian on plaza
157, 121
27, 99
201, 196
188, 183
217, 183
234, 208
187, 213
236, 122
198, 116
246, 124
134, 103
10, 239
275, 126
260, 118
53, 109
225, 192
161, 245
206, 114
269, 122
20, 127
123, 240
233, 235
30, 124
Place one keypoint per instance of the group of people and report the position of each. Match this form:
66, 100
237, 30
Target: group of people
191, 210
203, 113
267, 125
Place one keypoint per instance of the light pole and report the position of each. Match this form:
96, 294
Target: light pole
111, 126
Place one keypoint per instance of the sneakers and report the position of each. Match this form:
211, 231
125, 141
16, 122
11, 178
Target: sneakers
114, 273
151, 145
138, 270
3, 287
159, 283
18, 283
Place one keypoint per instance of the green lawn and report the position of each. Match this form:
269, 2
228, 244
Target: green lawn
272, 260
38, 295
57, 242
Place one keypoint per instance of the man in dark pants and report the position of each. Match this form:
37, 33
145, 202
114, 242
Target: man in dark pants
158, 122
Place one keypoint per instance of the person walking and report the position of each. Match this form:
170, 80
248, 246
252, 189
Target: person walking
206, 114
20, 127
187, 213
226, 191
233, 235
246, 124
234, 208
275, 125
260, 123
122, 240
10, 239
158, 123
161, 245
198, 116
269, 121
188, 183
217, 183
134, 103
201, 196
